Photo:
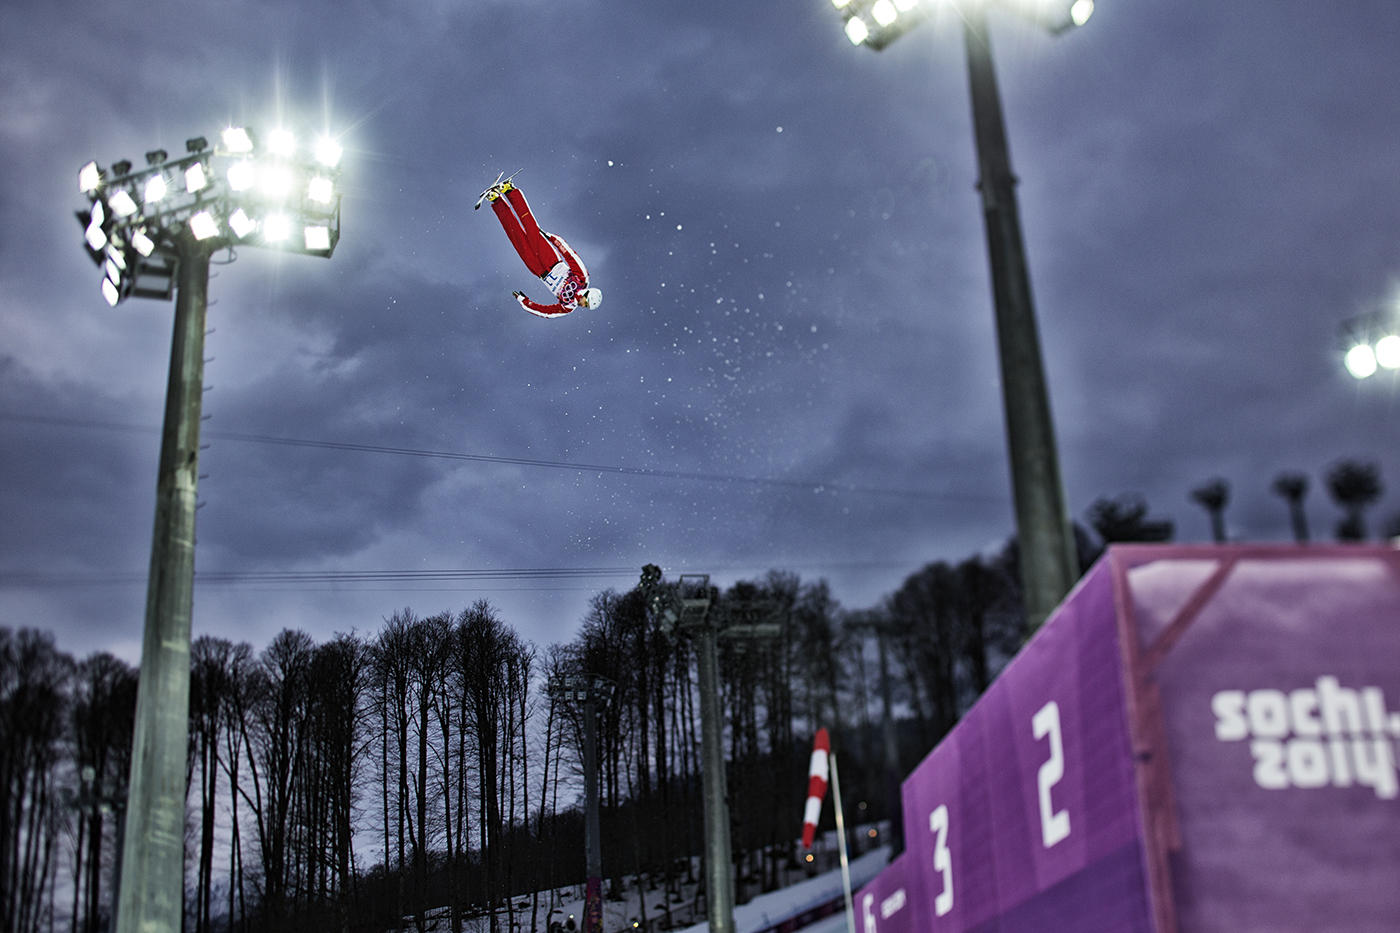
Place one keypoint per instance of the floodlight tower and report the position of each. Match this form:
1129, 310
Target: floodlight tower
1048, 559
152, 232
687, 607
591, 692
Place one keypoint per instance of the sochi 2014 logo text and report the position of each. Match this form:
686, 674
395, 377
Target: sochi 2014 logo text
1325, 735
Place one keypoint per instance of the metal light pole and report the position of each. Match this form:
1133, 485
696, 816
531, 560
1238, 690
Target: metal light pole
1044, 535
153, 232
689, 610
589, 691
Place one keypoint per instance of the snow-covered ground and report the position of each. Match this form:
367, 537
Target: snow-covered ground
767, 910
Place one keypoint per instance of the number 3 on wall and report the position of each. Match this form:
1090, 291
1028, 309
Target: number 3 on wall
1054, 824
942, 858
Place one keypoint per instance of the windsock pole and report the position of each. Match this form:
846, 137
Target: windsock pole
841, 845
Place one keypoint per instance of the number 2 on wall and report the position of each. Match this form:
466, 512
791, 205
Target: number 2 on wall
1054, 824
942, 858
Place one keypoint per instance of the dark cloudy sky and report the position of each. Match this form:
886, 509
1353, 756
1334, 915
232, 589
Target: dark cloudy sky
797, 332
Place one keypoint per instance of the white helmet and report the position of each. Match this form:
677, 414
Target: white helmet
592, 297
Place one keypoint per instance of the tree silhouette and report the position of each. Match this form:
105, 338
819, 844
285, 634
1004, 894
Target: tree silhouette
1213, 496
1125, 519
1354, 486
1293, 487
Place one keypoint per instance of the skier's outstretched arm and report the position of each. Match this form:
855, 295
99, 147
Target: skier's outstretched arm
539, 310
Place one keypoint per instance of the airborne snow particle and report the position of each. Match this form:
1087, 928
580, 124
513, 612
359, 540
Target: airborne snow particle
678, 226
780, 129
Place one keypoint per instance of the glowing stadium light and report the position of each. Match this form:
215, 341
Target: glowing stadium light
96, 237
275, 181
241, 175
1387, 351
840, 4
121, 203
143, 243
1080, 11
89, 177
856, 30
317, 238
884, 12
155, 188
149, 218
195, 178
237, 140
241, 224
277, 228
328, 152
203, 225
109, 291
320, 189
282, 143
1360, 361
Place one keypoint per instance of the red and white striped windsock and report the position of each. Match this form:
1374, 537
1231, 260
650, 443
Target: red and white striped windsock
816, 787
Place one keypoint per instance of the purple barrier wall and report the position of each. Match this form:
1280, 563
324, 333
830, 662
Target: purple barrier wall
1263, 678
1198, 739
882, 906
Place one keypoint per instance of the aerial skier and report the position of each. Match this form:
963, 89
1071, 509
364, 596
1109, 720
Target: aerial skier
545, 254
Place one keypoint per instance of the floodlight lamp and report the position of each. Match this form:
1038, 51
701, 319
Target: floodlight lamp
121, 168
320, 189
318, 238
241, 175
114, 274
1360, 361
856, 30
109, 291
115, 256
195, 179
122, 203
1388, 351
282, 143
96, 238
276, 181
203, 225
1080, 11
156, 156
196, 144
241, 224
89, 177
277, 228
840, 4
143, 243
155, 188
328, 152
884, 12
236, 139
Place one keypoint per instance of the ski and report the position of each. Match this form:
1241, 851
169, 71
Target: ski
501, 179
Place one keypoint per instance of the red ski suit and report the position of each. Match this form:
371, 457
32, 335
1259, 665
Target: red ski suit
545, 255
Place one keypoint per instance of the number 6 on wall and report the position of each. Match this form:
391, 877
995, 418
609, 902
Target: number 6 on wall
942, 858
1054, 824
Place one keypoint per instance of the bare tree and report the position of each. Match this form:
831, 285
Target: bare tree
1355, 486
103, 718
1214, 496
34, 682
1293, 488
